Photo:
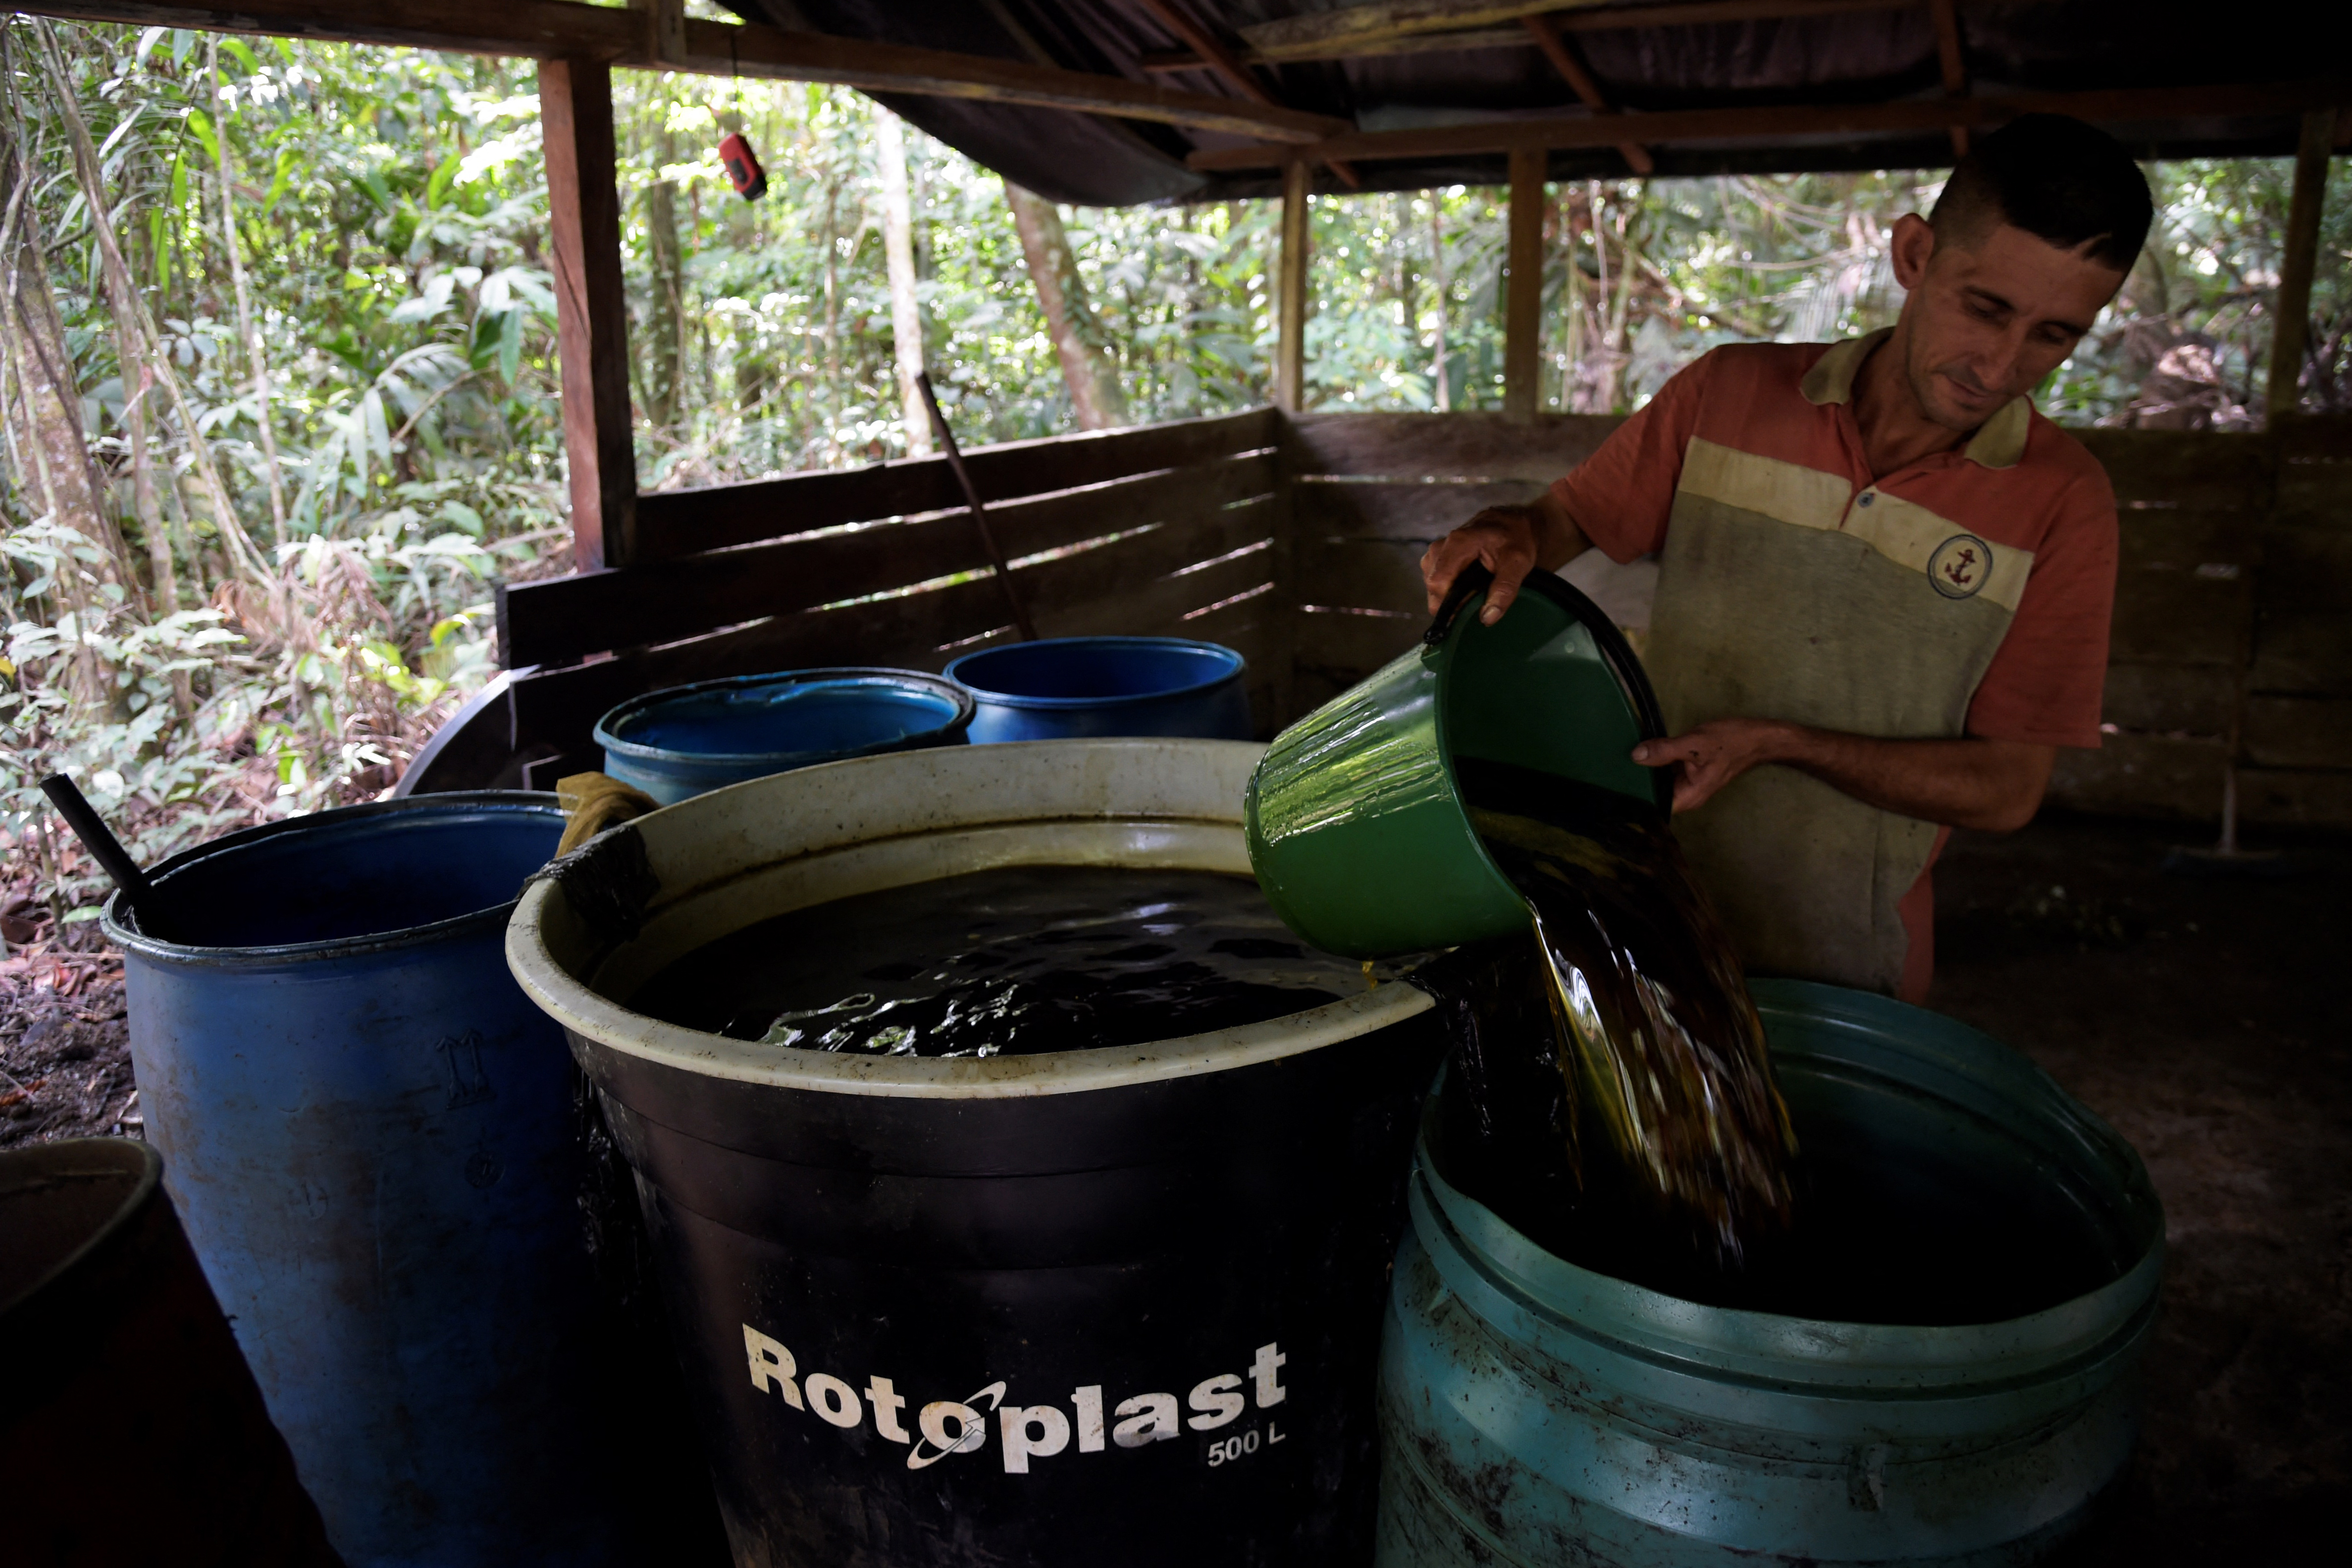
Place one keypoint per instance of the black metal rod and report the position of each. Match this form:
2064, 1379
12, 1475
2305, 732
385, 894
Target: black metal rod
100, 840
978, 514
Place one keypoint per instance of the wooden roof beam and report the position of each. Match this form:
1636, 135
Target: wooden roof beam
1785, 120
1563, 61
1604, 19
1218, 58
550, 29
1349, 25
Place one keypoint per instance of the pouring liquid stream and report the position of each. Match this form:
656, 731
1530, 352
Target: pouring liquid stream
1613, 1095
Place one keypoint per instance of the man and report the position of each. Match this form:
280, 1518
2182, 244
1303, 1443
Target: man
1883, 579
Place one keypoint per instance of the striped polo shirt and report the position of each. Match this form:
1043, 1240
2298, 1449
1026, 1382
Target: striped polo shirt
1966, 593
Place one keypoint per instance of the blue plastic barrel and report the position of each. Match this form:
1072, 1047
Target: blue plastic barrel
684, 739
367, 1134
2009, 1244
1069, 688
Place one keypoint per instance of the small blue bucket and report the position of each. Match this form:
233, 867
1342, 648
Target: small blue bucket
681, 741
1068, 688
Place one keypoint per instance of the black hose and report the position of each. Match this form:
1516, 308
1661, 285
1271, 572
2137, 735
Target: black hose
100, 840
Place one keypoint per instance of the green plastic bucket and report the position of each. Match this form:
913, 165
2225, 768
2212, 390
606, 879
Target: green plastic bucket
1355, 823
1534, 1411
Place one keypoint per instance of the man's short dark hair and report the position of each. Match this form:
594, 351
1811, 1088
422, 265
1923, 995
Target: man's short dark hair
2056, 178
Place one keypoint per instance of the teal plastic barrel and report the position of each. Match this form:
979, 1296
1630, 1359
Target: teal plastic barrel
2007, 1241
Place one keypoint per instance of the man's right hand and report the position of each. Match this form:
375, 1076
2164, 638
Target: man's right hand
1509, 540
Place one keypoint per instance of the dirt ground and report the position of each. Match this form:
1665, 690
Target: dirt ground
65, 1054
2204, 1016
2207, 1019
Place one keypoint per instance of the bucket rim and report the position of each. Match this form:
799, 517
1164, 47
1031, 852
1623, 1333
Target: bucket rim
158, 950
1445, 638
1617, 656
1820, 1357
146, 1181
957, 778
845, 675
1235, 665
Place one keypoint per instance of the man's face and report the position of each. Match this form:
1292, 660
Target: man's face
1989, 319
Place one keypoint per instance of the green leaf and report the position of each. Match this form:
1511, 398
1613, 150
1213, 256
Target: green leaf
201, 125
278, 183
243, 52
511, 346
438, 185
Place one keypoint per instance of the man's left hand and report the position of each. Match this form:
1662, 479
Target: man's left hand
1711, 755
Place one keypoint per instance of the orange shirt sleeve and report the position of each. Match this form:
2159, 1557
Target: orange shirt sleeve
2046, 681
1621, 495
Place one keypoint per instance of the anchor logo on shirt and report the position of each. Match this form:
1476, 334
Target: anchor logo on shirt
1960, 567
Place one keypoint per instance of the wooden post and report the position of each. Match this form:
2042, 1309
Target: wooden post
575, 111
1946, 17
1290, 292
665, 30
1523, 299
2291, 314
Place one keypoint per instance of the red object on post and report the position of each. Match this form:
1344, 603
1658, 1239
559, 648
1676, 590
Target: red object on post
743, 168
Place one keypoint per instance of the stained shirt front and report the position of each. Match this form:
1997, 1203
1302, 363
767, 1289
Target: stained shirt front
1966, 593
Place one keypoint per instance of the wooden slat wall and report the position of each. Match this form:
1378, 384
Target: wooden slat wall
2233, 617
1148, 532
1297, 540
2297, 747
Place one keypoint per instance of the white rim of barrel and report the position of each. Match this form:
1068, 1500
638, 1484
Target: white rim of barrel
817, 833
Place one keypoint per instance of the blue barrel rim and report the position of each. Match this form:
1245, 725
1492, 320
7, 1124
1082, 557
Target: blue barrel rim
1820, 1357
131, 939
143, 1187
1235, 665
604, 732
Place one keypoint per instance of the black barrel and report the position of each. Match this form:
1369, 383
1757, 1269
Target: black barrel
131, 1431
1114, 1307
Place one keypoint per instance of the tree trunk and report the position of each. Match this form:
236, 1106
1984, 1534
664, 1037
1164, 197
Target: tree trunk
1437, 277
47, 409
665, 339
1088, 364
1572, 299
898, 245
259, 362
1619, 312
831, 287
234, 543
52, 461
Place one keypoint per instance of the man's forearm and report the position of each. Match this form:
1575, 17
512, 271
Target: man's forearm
1992, 786
1557, 539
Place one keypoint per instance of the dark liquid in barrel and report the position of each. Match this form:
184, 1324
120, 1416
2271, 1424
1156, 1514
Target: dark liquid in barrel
1010, 962
1611, 1098
1615, 1097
